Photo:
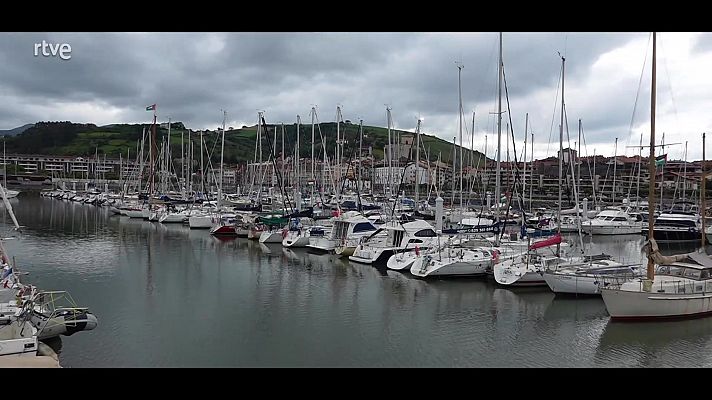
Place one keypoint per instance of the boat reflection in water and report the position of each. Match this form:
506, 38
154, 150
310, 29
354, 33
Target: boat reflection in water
656, 344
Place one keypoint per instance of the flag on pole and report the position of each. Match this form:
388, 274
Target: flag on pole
151, 107
660, 161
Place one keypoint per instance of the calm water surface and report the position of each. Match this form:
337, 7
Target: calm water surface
169, 296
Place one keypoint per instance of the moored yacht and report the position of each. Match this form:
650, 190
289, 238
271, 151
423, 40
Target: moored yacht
681, 223
612, 221
349, 226
377, 249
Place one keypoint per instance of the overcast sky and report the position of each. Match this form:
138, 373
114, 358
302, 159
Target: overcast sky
112, 77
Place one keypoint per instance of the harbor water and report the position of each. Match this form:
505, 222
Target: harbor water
168, 296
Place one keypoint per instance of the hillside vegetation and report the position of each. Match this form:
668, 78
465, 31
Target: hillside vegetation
67, 138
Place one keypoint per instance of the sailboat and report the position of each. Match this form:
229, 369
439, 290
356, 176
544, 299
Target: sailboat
677, 286
454, 260
531, 267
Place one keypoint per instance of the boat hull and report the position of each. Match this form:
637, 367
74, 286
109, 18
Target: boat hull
611, 230
344, 251
134, 213
200, 222
322, 244
295, 241
18, 340
372, 257
450, 267
66, 325
626, 305
401, 261
271, 237
517, 276
172, 218
676, 235
223, 230
572, 284
242, 231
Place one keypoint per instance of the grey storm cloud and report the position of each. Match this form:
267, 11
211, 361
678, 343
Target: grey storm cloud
192, 76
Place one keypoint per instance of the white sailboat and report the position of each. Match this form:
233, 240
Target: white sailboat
678, 286
297, 234
454, 261
586, 278
527, 269
681, 287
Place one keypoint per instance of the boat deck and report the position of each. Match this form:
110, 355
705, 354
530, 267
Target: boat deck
28, 362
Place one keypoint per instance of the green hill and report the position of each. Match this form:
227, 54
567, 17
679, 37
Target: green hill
67, 138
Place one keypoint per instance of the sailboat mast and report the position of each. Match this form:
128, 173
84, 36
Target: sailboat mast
472, 161
452, 186
202, 167
702, 193
524, 157
296, 165
662, 176
640, 164
222, 154
651, 167
360, 145
168, 153
259, 143
182, 163
141, 161
121, 169
615, 164
283, 171
460, 66
390, 152
531, 185
273, 157
684, 174
561, 153
437, 173
472, 142
417, 163
337, 160
578, 159
313, 161
153, 153
499, 135
484, 172
8, 207
189, 165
